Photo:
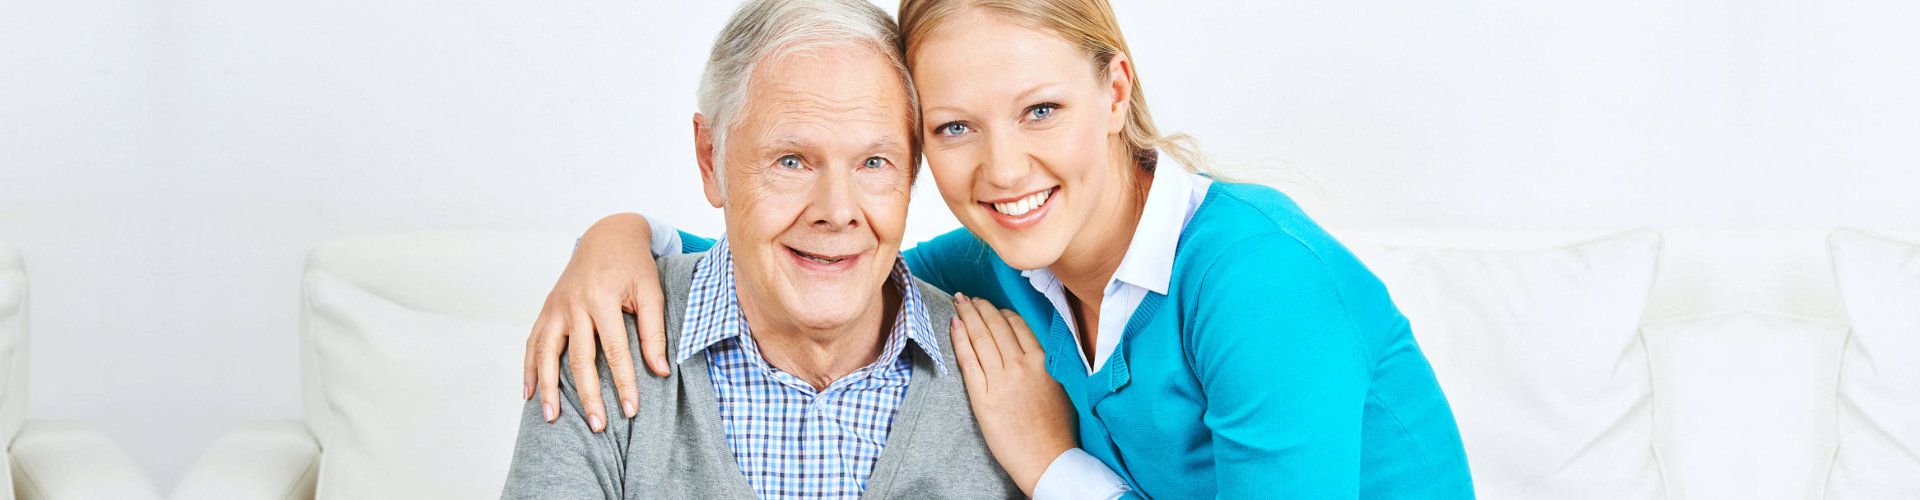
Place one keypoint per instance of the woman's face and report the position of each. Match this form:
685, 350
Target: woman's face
1020, 134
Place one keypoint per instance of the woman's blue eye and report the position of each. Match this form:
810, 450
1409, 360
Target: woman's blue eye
876, 162
1042, 111
789, 161
955, 128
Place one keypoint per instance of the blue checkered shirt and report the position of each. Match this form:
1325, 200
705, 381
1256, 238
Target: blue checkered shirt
790, 440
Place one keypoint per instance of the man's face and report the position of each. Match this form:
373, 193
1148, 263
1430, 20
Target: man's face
817, 174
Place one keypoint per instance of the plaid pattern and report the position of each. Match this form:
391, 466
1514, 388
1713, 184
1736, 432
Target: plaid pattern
789, 440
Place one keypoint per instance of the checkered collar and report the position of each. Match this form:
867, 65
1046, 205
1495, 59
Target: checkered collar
713, 311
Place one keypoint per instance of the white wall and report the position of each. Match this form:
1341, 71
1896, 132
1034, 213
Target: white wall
164, 166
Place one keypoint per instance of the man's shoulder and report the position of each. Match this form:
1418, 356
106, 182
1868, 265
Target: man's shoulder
939, 303
678, 268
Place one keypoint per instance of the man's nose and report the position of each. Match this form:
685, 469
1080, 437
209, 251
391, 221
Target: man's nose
834, 206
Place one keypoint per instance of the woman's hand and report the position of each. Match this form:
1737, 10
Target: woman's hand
611, 270
1024, 414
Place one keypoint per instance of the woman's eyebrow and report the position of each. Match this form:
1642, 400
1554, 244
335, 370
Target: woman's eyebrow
1038, 89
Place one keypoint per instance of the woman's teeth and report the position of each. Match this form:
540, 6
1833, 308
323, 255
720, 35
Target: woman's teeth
1021, 206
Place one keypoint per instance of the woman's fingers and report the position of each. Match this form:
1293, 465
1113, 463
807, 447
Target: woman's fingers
528, 372
983, 342
611, 327
997, 326
586, 376
547, 362
969, 363
649, 312
1028, 343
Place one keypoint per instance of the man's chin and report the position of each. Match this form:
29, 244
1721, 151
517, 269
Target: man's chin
831, 308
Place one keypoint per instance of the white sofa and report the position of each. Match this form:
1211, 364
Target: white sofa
1715, 378
49, 459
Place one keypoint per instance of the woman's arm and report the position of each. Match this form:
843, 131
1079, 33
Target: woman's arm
611, 271
955, 262
1284, 370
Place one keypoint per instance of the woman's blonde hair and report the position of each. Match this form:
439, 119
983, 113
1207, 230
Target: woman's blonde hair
1092, 26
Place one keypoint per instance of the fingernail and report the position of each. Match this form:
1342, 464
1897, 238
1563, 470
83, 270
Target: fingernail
956, 325
958, 297
595, 422
526, 391
627, 406
547, 409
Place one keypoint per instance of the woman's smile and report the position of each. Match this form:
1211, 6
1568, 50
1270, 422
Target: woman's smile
1023, 211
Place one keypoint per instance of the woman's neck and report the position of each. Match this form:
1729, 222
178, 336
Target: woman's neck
1095, 253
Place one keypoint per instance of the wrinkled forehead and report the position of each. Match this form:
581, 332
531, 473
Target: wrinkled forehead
828, 94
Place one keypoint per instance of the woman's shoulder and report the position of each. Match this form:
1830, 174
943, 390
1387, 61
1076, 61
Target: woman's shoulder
1251, 248
1251, 232
1252, 222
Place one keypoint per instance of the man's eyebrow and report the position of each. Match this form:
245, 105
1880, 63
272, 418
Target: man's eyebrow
787, 143
884, 144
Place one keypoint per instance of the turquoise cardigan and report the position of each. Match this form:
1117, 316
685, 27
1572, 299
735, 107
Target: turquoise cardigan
1275, 367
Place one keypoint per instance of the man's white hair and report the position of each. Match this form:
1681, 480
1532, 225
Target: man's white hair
762, 30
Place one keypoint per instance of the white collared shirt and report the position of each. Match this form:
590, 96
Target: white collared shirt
1147, 266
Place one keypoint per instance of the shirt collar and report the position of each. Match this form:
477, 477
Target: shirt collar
713, 310
1148, 262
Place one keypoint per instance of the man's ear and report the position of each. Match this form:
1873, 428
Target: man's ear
703, 151
1120, 86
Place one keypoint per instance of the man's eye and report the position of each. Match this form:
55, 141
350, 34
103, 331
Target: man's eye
789, 161
1041, 111
955, 128
876, 162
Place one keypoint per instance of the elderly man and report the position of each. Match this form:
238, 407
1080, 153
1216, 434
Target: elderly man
812, 364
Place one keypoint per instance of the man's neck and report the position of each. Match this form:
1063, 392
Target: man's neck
821, 356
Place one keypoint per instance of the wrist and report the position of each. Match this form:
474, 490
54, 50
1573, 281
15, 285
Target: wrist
1036, 467
625, 226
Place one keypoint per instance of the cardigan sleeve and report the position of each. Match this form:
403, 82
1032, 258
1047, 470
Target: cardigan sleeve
956, 262
1284, 369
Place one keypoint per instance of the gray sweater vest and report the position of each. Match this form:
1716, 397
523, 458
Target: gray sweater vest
674, 446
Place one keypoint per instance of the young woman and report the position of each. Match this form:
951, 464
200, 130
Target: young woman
1211, 339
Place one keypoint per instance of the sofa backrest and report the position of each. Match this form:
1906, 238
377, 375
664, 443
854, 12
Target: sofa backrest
13, 341
399, 413
13, 355
1743, 331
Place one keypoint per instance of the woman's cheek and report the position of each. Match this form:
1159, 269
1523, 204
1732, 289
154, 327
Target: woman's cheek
951, 179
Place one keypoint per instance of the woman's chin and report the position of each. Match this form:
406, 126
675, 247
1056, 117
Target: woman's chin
1026, 252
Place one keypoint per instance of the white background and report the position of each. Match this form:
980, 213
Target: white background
166, 165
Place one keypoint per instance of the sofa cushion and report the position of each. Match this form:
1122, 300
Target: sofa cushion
1540, 356
1879, 387
415, 344
1743, 403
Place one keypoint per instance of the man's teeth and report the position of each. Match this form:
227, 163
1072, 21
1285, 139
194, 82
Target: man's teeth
817, 259
1021, 206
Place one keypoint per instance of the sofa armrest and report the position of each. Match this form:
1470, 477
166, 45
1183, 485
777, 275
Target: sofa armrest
57, 460
272, 460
